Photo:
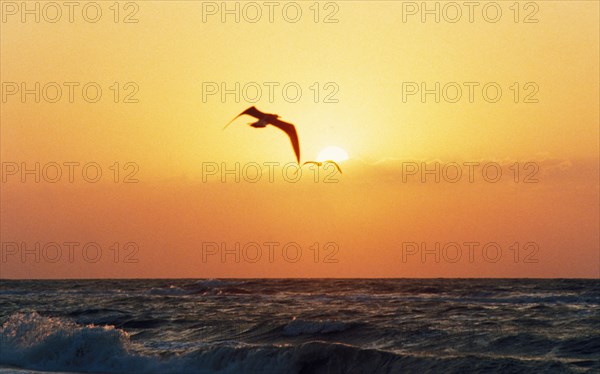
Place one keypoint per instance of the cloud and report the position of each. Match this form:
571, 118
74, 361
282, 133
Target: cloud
542, 171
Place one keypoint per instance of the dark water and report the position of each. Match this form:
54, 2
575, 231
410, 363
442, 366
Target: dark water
300, 326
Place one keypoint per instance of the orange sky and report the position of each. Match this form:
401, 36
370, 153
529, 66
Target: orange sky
363, 225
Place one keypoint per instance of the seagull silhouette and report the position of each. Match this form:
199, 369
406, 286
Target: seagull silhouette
265, 119
319, 164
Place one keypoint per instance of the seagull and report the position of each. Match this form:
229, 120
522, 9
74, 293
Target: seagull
265, 119
319, 164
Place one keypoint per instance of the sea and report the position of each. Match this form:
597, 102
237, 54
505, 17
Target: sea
300, 326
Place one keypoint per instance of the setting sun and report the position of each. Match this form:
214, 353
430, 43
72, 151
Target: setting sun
332, 153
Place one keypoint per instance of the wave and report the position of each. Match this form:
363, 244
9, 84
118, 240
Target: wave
217, 283
301, 327
32, 341
171, 290
208, 287
35, 342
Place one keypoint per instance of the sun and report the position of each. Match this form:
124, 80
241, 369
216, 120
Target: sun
333, 153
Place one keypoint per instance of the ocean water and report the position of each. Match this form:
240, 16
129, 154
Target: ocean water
300, 326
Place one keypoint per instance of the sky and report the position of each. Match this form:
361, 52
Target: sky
473, 139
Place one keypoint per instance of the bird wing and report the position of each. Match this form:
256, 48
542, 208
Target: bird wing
336, 165
252, 111
312, 162
290, 130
